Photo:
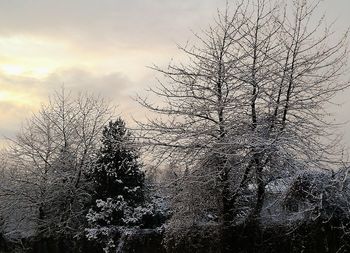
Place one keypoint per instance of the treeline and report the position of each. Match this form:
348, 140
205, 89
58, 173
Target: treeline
237, 155
72, 180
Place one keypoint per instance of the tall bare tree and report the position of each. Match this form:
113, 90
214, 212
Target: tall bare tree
250, 103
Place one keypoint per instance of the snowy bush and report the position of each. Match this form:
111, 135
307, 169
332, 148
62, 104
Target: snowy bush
111, 220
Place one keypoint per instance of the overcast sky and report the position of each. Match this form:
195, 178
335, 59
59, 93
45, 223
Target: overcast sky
101, 45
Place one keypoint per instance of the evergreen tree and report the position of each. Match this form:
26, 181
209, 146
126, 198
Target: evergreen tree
118, 188
117, 171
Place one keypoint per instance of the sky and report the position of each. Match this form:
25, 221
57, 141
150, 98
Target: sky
103, 46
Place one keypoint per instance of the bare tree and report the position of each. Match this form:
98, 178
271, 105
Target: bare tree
47, 160
250, 103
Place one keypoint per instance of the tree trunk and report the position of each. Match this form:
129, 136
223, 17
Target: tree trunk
260, 193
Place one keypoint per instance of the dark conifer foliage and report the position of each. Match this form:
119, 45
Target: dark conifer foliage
117, 171
118, 187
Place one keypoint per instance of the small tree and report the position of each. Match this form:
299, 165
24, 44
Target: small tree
117, 170
118, 187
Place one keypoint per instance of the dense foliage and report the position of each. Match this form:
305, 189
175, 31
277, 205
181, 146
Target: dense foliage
117, 171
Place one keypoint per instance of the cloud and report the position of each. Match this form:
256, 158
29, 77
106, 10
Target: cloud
116, 86
21, 96
112, 23
12, 116
80, 79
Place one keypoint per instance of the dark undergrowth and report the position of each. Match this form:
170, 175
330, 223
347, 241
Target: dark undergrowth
310, 237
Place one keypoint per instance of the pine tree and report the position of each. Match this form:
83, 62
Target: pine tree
117, 171
118, 188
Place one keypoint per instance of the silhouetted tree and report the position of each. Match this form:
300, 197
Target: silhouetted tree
118, 187
117, 170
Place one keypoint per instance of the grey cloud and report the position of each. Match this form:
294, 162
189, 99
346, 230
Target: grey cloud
79, 79
15, 83
104, 26
115, 86
12, 115
135, 23
76, 79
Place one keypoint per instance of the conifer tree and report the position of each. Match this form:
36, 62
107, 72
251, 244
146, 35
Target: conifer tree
117, 171
118, 188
